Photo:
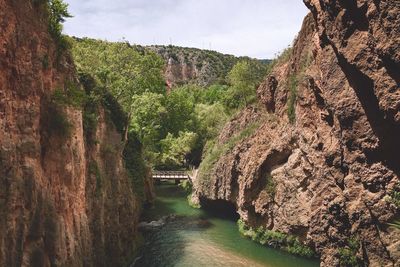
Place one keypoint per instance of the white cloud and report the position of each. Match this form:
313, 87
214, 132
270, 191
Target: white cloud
257, 28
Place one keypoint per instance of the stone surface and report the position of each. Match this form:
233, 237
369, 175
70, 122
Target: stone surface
53, 210
332, 168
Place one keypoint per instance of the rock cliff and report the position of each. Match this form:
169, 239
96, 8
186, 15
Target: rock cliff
63, 201
196, 66
321, 162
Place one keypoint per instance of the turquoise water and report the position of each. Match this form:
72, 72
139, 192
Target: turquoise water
199, 238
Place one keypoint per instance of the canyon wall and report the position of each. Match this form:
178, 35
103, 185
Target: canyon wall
321, 162
63, 201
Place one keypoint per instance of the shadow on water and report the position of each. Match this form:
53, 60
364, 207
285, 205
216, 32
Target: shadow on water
220, 209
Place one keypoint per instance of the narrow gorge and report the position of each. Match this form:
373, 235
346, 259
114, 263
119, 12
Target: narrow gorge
286, 162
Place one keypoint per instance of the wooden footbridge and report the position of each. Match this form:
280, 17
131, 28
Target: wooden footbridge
176, 176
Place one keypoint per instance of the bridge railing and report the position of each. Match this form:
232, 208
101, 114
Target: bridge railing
170, 174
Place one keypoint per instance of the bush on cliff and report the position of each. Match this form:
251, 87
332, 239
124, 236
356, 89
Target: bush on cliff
348, 254
275, 239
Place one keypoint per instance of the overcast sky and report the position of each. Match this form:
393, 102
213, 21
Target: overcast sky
255, 28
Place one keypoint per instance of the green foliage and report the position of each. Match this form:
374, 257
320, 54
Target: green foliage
210, 119
275, 239
58, 123
135, 164
244, 78
395, 224
115, 112
71, 96
90, 118
212, 66
57, 13
270, 185
148, 116
187, 186
95, 170
214, 151
176, 149
348, 254
191, 203
293, 84
395, 196
291, 103
133, 75
214, 94
180, 111
120, 68
285, 55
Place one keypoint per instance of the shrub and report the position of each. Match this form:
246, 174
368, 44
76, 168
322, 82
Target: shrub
94, 170
395, 196
90, 117
187, 186
348, 255
58, 123
72, 96
215, 151
115, 112
275, 239
395, 224
135, 164
58, 12
291, 103
270, 185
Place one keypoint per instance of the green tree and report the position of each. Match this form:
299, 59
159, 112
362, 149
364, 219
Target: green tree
58, 12
148, 115
176, 149
180, 106
214, 94
211, 119
120, 69
244, 77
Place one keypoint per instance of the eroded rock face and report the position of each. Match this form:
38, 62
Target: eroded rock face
325, 177
55, 207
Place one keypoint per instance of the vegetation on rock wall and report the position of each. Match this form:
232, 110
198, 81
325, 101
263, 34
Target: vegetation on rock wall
214, 151
348, 254
275, 239
394, 198
95, 98
209, 67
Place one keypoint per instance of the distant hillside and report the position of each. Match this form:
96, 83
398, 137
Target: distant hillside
187, 65
201, 67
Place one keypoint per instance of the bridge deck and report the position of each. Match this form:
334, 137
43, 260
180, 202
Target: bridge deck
173, 175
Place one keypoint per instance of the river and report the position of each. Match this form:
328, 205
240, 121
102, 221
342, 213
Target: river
200, 238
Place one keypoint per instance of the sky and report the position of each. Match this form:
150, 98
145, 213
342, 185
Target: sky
254, 28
